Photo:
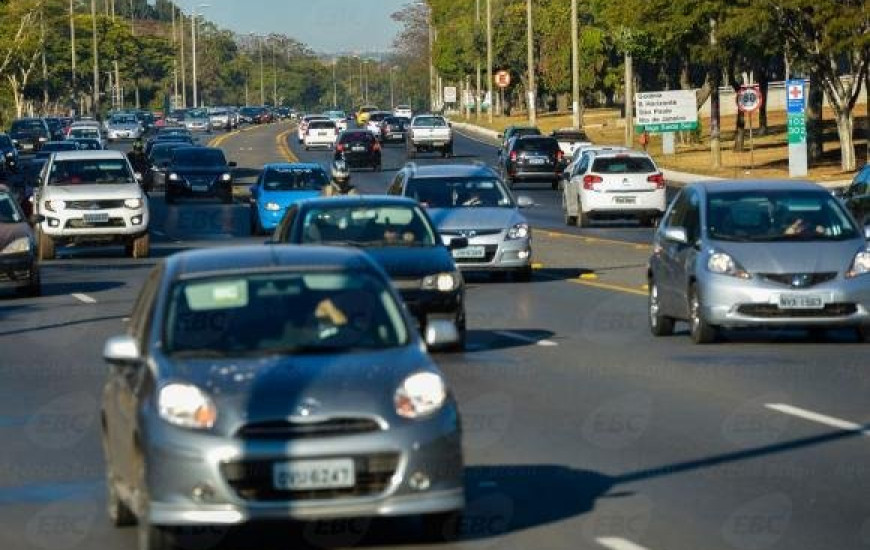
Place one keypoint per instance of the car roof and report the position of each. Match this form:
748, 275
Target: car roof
437, 171
245, 259
718, 186
357, 200
104, 154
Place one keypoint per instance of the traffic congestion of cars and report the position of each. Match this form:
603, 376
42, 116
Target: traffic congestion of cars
295, 378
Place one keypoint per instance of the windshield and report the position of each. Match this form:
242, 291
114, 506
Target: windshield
540, 145
459, 193
282, 313
59, 146
199, 157
125, 119
430, 122
336, 114
20, 125
365, 225
90, 171
161, 154
322, 125
9, 211
623, 165
84, 133
294, 179
768, 216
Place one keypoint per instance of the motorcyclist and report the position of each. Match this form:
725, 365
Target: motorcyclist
138, 160
340, 183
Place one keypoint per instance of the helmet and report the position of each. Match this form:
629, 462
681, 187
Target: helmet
340, 172
137, 145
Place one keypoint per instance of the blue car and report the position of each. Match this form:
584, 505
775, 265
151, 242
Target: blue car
279, 186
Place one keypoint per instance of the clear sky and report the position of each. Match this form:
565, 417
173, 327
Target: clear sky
327, 26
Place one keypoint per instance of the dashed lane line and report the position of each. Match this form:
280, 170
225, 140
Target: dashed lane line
819, 418
617, 543
526, 339
84, 298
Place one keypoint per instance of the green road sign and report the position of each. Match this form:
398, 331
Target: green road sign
797, 128
667, 127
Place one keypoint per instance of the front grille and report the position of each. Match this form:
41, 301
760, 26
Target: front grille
407, 284
489, 249
78, 223
252, 479
14, 276
288, 429
95, 204
471, 232
804, 280
772, 311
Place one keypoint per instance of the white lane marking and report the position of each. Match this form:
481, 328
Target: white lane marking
818, 418
524, 338
616, 543
83, 298
467, 135
158, 232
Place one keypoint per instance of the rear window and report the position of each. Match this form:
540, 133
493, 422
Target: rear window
84, 133
623, 165
199, 157
322, 125
547, 145
28, 125
60, 146
348, 137
430, 122
294, 179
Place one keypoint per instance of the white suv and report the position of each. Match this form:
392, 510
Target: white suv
91, 197
614, 184
320, 133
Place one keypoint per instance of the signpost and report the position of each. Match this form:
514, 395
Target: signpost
449, 94
670, 111
797, 128
502, 80
749, 99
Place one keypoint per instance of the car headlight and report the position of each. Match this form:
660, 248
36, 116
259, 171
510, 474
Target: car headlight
860, 265
9, 154
420, 395
174, 177
133, 204
43, 139
519, 231
724, 264
55, 205
272, 206
19, 245
444, 282
226, 177
186, 406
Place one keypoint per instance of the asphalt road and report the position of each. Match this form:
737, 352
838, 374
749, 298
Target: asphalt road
581, 429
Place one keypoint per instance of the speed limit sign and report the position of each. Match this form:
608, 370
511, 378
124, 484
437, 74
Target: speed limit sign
749, 98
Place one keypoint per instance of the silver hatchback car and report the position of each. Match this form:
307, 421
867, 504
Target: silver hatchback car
758, 254
270, 383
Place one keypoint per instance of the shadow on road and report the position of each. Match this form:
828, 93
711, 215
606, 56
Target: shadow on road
63, 324
489, 340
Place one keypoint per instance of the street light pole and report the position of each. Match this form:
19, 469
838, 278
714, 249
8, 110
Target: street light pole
531, 61
193, 54
262, 85
334, 85
477, 88
72, 47
96, 59
274, 77
575, 66
489, 58
183, 64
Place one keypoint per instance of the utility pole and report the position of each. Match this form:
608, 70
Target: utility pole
531, 61
432, 92
274, 78
132, 19
575, 67
96, 58
183, 64
72, 47
174, 63
629, 98
193, 53
489, 58
262, 85
334, 85
44, 66
715, 129
477, 88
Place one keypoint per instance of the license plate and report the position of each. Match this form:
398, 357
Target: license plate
470, 252
27, 146
321, 133
535, 160
801, 301
625, 200
392, 136
96, 217
358, 148
438, 144
200, 188
305, 475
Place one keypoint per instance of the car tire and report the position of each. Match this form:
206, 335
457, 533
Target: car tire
227, 196
659, 325
412, 152
523, 275
140, 247
863, 332
34, 286
169, 197
700, 330
584, 219
442, 526
120, 515
554, 185
570, 220
46, 247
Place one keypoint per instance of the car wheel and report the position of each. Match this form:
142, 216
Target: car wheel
523, 275
442, 527
169, 197
863, 333
584, 219
659, 325
119, 513
227, 196
46, 247
140, 247
412, 152
700, 330
255, 224
34, 286
554, 185
570, 220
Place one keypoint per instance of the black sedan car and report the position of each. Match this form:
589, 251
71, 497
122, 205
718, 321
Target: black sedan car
199, 172
857, 196
18, 267
397, 233
394, 129
532, 158
8, 156
359, 149
28, 134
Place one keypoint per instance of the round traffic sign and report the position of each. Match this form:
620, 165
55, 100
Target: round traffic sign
749, 99
502, 79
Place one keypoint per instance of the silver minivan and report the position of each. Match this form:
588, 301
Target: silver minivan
758, 253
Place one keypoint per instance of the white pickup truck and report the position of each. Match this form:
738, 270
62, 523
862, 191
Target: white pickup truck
430, 133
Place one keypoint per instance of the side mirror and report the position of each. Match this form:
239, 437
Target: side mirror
457, 243
121, 351
525, 202
867, 232
138, 176
440, 333
35, 219
676, 234
232, 164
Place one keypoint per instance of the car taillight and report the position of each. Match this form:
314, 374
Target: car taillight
513, 156
658, 179
339, 148
376, 147
591, 179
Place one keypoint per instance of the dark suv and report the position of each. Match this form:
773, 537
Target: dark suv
359, 149
8, 156
532, 158
28, 134
199, 172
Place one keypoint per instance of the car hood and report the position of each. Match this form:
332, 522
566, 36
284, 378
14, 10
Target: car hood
793, 257
199, 170
92, 192
264, 389
286, 198
454, 219
413, 262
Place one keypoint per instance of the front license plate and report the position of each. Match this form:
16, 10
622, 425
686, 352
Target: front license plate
801, 301
306, 475
199, 188
27, 146
470, 252
96, 217
625, 200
